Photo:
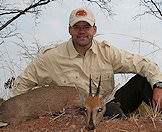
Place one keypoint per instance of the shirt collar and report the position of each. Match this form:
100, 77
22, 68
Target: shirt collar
72, 51
93, 48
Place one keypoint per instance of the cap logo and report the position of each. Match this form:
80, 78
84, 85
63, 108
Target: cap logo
81, 13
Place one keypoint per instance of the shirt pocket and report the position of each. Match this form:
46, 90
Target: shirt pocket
105, 75
69, 77
106, 78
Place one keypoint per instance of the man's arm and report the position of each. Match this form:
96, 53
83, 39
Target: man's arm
32, 76
125, 62
157, 95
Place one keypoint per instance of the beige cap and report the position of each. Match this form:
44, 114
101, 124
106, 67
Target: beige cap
81, 14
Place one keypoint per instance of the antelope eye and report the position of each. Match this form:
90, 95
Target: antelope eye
99, 110
83, 109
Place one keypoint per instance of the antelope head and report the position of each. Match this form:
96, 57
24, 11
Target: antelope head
95, 107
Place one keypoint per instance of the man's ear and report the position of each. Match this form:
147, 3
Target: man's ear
69, 29
95, 29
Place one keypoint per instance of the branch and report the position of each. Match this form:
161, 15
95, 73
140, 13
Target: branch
2, 42
155, 10
13, 12
156, 7
147, 12
39, 3
103, 4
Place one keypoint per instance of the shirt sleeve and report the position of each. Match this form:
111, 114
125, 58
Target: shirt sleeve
125, 62
35, 73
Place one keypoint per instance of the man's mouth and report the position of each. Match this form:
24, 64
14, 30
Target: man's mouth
82, 37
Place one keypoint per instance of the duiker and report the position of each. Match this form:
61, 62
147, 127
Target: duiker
38, 102
50, 99
97, 106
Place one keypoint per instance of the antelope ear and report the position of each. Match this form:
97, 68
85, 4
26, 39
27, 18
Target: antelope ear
98, 88
82, 96
90, 86
107, 97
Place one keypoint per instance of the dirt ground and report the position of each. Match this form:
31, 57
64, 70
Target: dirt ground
72, 120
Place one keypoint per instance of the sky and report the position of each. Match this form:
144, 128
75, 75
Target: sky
52, 27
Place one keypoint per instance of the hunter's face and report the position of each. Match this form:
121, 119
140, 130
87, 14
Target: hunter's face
82, 33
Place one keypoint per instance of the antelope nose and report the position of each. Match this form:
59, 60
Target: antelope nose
91, 126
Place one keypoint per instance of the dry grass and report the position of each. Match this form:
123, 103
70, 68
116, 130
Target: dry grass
71, 120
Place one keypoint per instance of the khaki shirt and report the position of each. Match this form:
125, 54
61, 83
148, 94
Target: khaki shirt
63, 65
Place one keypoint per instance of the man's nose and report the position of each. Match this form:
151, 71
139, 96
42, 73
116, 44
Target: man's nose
81, 29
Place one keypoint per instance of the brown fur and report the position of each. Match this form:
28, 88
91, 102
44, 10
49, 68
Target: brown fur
38, 102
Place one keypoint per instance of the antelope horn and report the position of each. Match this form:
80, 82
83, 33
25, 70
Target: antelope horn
90, 86
98, 88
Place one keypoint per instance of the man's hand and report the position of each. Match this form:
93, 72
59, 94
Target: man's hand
157, 98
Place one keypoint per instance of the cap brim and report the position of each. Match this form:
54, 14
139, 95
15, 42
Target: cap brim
83, 19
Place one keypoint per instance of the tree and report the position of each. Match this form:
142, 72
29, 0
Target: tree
152, 7
33, 8
10, 14
29, 9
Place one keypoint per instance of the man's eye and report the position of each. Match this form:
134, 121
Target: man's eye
78, 28
99, 110
87, 27
75, 27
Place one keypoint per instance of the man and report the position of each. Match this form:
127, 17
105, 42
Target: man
72, 62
